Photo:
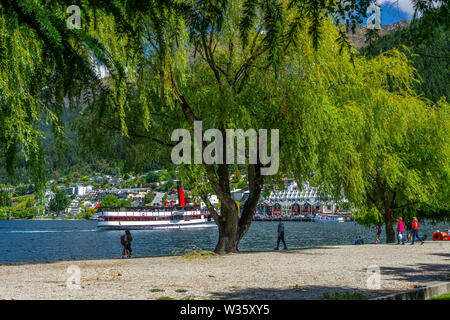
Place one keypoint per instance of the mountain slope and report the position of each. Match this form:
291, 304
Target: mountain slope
358, 39
431, 59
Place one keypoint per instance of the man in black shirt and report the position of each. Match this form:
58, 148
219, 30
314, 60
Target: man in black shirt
280, 234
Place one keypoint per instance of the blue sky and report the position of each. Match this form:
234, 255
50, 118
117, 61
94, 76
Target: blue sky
390, 14
395, 10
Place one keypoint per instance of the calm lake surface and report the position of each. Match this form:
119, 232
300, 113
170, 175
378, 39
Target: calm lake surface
56, 240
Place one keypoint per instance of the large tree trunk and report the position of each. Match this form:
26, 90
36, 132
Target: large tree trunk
232, 228
228, 226
388, 220
256, 182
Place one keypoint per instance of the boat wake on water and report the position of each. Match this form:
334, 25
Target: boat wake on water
48, 231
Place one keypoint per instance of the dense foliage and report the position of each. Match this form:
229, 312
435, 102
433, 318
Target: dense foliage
432, 60
351, 124
113, 201
59, 202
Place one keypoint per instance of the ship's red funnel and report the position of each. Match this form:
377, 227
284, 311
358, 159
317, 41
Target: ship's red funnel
181, 201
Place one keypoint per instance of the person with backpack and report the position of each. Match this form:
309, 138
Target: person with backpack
409, 229
129, 239
415, 230
123, 242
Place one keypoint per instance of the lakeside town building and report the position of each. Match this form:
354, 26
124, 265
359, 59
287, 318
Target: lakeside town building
299, 200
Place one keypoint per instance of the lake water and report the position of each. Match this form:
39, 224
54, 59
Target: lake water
55, 240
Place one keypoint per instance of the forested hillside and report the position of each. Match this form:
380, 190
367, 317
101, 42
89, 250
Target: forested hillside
72, 158
430, 58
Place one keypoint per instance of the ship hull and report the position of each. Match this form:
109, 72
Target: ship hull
328, 220
154, 218
143, 226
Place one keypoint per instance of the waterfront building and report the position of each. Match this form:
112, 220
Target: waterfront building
299, 200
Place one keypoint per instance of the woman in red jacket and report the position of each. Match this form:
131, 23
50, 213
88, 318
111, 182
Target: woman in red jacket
415, 230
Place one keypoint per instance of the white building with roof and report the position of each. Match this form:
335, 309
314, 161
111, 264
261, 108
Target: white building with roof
306, 199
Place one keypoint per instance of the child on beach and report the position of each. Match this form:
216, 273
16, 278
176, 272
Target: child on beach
125, 241
359, 240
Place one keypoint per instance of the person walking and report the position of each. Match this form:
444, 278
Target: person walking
123, 242
378, 234
415, 230
400, 229
280, 234
129, 239
409, 229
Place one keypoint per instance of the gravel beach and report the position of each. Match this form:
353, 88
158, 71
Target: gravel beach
285, 274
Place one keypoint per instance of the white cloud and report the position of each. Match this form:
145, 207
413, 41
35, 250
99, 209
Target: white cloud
406, 6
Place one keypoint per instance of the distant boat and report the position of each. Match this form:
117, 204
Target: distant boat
154, 218
328, 218
164, 217
94, 217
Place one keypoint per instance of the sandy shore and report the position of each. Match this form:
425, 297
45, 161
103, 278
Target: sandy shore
258, 275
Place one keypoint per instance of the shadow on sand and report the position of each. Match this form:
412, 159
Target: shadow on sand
415, 273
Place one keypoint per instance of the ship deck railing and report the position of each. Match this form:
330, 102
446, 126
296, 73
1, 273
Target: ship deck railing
150, 209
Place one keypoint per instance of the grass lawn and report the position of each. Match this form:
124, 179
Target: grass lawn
344, 296
442, 297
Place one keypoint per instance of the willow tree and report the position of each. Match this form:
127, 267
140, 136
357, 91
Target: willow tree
373, 139
42, 61
317, 95
403, 160
230, 64
397, 160
44, 66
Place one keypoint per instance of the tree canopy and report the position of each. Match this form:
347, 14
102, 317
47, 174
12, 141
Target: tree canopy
59, 202
430, 59
113, 201
230, 64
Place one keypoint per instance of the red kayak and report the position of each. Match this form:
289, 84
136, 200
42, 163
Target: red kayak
439, 236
